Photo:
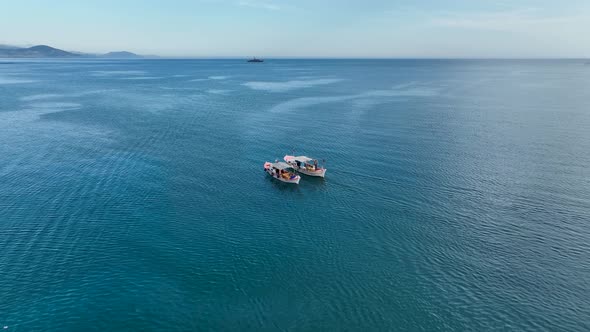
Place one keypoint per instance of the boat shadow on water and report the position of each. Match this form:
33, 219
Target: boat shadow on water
283, 186
307, 183
313, 183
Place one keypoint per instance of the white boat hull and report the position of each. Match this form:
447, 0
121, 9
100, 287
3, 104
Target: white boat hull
319, 172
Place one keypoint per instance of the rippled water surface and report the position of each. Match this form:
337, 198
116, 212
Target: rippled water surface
132, 195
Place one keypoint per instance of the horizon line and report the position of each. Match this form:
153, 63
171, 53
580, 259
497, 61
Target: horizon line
414, 57
235, 57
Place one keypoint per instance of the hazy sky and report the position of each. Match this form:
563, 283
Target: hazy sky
322, 28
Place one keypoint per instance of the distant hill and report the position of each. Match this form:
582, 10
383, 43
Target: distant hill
39, 51
44, 51
2, 47
121, 55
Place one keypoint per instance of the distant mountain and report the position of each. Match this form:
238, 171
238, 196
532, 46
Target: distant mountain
39, 51
121, 55
7, 47
44, 51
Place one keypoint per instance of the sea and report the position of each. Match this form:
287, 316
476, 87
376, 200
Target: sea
133, 196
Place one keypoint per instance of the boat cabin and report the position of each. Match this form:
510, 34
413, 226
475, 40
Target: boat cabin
282, 170
306, 163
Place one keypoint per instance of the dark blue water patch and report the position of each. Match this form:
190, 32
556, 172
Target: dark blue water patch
133, 197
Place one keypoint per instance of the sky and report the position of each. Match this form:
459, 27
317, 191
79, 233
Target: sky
304, 28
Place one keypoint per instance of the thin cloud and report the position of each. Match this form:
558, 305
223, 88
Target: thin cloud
259, 4
500, 21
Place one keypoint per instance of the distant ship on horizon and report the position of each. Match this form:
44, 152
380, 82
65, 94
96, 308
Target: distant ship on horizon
254, 59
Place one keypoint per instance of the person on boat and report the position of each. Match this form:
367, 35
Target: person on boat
315, 164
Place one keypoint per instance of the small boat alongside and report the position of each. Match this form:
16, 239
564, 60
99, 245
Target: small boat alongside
282, 172
305, 165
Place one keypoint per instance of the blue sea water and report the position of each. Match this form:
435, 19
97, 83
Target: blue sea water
132, 196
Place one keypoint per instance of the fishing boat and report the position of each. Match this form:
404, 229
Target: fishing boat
282, 172
305, 165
